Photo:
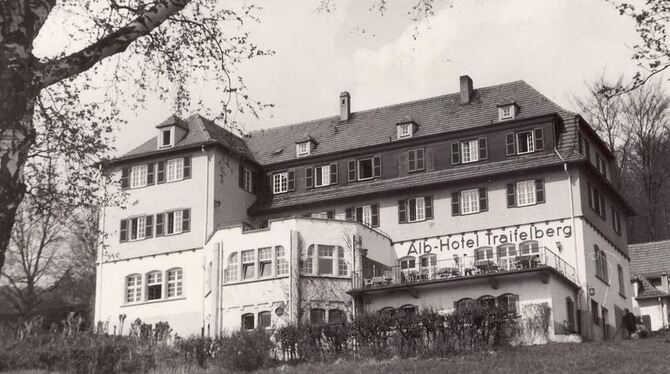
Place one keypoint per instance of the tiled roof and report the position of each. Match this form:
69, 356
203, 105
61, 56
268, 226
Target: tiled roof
650, 259
377, 126
652, 294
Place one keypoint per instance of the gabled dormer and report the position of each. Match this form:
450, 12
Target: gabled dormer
170, 132
305, 146
405, 129
507, 111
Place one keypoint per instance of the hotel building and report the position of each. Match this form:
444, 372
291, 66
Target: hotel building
492, 195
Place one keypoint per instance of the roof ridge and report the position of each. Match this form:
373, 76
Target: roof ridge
404, 103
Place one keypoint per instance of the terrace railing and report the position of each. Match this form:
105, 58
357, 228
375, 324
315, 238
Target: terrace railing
429, 268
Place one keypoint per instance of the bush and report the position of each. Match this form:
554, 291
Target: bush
244, 350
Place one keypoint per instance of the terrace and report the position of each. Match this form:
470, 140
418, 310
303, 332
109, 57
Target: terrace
427, 268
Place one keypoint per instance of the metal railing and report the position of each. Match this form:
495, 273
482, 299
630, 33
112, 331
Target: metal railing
427, 268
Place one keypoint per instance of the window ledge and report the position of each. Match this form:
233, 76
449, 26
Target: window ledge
153, 301
246, 281
602, 280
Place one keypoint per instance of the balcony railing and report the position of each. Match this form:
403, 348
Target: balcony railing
428, 268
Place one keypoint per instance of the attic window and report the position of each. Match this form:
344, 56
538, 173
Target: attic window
405, 130
166, 138
303, 149
507, 111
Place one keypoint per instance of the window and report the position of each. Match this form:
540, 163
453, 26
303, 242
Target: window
231, 272
415, 209
282, 263
247, 321
407, 263
264, 320
524, 142
174, 282
525, 193
176, 222
509, 302
308, 261
469, 201
166, 138
428, 264
246, 179
601, 263
265, 262
601, 164
408, 309
138, 176
404, 130
303, 149
595, 316
486, 302
530, 247
484, 254
329, 214
321, 176
336, 316
616, 221
570, 311
133, 288
464, 304
365, 169
283, 182
622, 285
137, 228
596, 201
366, 214
342, 269
174, 169
469, 151
317, 316
506, 112
415, 160
507, 256
154, 285
248, 264
326, 259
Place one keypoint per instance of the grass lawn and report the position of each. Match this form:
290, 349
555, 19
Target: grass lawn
628, 356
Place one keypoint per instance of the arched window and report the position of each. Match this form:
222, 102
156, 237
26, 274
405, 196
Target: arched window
408, 309
317, 316
133, 288
506, 256
601, 263
529, 247
464, 304
509, 302
174, 282
342, 269
308, 261
486, 301
248, 321
336, 316
282, 263
232, 270
390, 311
264, 319
154, 285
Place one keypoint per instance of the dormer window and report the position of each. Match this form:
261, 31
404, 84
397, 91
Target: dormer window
303, 149
506, 112
405, 130
166, 138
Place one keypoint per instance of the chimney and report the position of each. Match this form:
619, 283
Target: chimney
345, 106
664, 282
466, 89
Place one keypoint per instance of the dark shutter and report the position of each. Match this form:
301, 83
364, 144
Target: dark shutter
511, 146
333, 173
455, 153
125, 174
291, 180
149, 220
309, 178
428, 206
150, 173
159, 224
483, 203
186, 220
330, 214
402, 211
241, 177
352, 170
374, 215
123, 232
539, 191
419, 159
187, 167
603, 207
590, 195
377, 166
539, 139
160, 172
483, 149
511, 195
349, 214
403, 162
455, 203
411, 161
269, 183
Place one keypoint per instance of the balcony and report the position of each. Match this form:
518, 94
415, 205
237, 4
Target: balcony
428, 269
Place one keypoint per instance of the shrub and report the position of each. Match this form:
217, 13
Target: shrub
244, 350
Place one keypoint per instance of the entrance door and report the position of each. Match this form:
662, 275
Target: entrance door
606, 329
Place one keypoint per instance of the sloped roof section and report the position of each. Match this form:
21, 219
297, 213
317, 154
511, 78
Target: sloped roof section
652, 293
650, 259
377, 126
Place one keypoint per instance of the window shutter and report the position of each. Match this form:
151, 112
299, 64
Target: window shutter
186, 220
377, 166
483, 203
160, 172
149, 226
511, 146
411, 161
419, 159
159, 224
269, 183
590, 195
291, 180
352, 170
603, 207
428, 206
455, 203
511, 195
123, 232
187, 167
539, 139
374, 215
349, 214
539, 191
241, 176
150, 173
125, 174
333, 173
309, 172
403, 162
455, 153
483, 149
402, 211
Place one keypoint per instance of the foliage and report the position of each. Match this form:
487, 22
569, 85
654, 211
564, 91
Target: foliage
243, 350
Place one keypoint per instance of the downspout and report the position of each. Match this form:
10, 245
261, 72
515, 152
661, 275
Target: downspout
354, 276
101, 245
204, 241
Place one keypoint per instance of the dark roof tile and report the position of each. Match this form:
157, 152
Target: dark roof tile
650, 259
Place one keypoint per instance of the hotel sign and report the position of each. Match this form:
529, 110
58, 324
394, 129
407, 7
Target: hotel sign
486, 238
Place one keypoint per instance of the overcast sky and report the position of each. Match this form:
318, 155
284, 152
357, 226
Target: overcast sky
554, 45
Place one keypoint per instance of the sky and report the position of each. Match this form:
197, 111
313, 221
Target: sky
554, 45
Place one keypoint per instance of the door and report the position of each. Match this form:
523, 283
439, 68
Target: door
606, 329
